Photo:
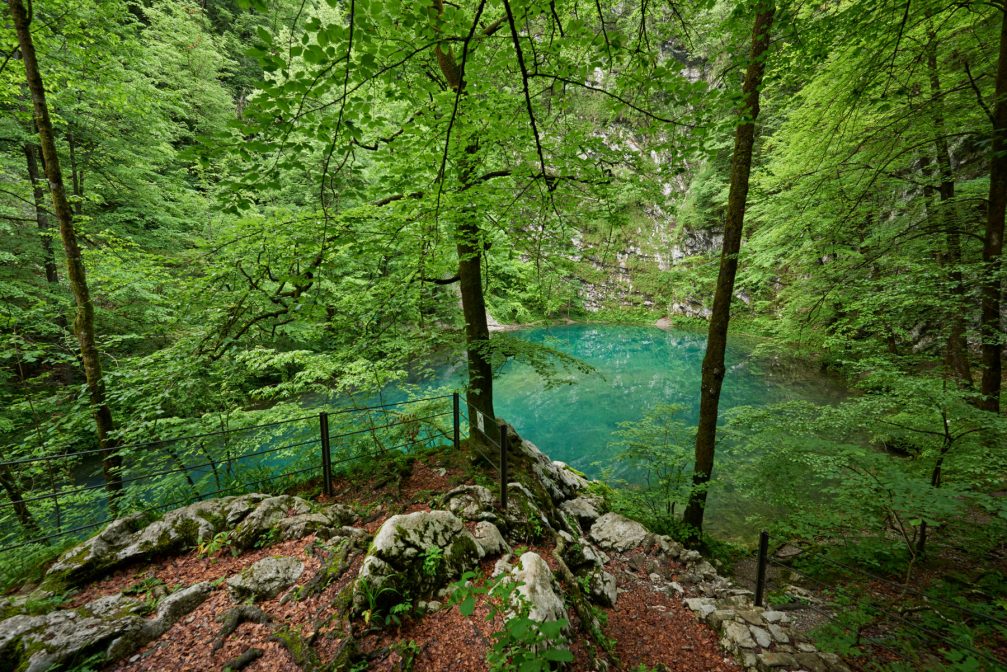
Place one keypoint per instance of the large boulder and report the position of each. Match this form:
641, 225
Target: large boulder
471, 502
559, 479
490, 540
618, 533
413, 555
523, 518
584, 510
110, 624
265, 578
537, 588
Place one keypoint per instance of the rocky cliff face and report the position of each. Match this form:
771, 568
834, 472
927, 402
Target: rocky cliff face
315, 586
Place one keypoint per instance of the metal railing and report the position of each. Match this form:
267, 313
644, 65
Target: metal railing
60, 497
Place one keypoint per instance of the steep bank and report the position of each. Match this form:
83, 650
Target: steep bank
367, 581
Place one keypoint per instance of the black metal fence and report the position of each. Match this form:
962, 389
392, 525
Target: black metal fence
55, 499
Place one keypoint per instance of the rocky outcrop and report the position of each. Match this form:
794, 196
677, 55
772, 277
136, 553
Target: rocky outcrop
264, 579
246, 519
618, 533
112, 625
537, 588
413, 555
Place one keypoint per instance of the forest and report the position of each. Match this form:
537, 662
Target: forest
220, 214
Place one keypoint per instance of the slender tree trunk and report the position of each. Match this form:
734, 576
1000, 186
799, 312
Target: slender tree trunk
84, 322
989, 318
38, 193
713, 361
479, 394
24, 516
957, 345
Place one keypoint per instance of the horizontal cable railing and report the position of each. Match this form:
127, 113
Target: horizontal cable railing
65, 493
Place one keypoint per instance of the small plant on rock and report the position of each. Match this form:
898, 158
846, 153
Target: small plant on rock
524, 644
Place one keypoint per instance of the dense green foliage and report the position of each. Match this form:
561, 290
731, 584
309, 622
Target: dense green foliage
273, 200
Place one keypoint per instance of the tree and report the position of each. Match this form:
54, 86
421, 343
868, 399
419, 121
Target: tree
713, 360
990, 319
84, 322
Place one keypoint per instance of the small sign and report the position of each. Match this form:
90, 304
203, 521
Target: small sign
480, 423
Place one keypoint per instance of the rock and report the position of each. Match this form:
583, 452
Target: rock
618, 533
750, 616
264, 579
489, 539
762, 636
90, 558
704, 606
579, 553
471, 502
169, 611
772, 660
666, 545
774, 616
720, 616
585, 510
128, 540
737, 635
267, 516
62, 638
787, 552
116, 606
601, 588
524, 519
778, 633
537, 588
325, 524
414, 554
811, 662
834, 662
560, 481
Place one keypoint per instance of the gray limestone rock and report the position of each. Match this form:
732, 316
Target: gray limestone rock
737, 635
618, 533
584, 509
414, 553
265, 578
773, 660
762, 636
601, 588
471, 502
537, 587
489, 539
704, 606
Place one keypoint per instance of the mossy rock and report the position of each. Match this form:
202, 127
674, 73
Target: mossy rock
412, 556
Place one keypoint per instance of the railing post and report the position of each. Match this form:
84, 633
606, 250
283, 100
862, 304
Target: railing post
760, 577
323, 426
456, 409
504, 449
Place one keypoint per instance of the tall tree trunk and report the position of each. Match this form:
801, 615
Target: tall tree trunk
957, 346
989, 318
713, 361
84, 322
38, 193
479, 394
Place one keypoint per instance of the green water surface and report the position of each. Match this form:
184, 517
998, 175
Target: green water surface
636, 368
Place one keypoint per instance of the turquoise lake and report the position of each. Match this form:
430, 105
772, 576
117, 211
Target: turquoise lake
636, 368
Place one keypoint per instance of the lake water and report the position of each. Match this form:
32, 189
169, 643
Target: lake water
636, 368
